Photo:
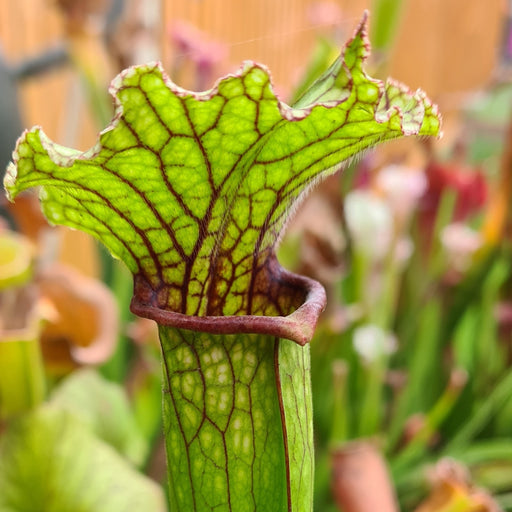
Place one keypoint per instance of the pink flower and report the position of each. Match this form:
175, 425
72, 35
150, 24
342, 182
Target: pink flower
460, 243
325, 13
403, 188
205, 53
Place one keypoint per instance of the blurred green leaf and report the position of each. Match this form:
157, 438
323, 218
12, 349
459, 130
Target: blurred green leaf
482, 414
422, 363
102, 406
497, 449
50, 462
387, 14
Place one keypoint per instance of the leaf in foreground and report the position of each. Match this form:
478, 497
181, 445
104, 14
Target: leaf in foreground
50, 461
102, 406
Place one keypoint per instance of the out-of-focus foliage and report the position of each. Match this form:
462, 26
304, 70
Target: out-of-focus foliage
51, 461
104, 407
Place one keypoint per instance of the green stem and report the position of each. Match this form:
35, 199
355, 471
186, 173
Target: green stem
370, 413
483, 414
340, 409
444, 216
22, 379
237, 418
418, 395
417, 447
387, 15
120, 282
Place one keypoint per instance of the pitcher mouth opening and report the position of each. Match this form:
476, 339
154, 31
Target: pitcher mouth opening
306, 299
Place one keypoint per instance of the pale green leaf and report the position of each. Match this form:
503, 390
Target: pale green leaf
50, 462
102, 406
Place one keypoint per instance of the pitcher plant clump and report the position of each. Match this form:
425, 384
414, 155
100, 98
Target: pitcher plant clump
192, 192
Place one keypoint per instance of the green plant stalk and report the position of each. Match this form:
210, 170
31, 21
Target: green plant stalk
361, 269
433, 419
341, 405
370, 413
235, 406
483, 414
424, 360
387, 16
22, 379
444, 216
120, 282
463, 296
383, 311
480, 452
489, 352
379, 314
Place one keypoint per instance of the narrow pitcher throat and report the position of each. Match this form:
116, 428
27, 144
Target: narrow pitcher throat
299, 299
